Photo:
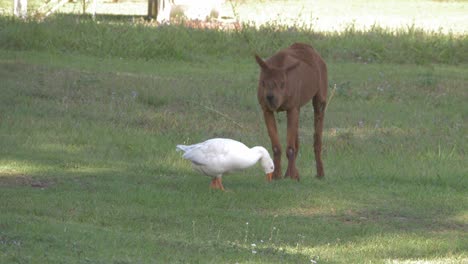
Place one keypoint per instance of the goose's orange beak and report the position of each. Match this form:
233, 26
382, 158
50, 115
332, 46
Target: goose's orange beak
269, 176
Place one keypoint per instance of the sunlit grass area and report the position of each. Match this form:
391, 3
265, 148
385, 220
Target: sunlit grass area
330, 16
336, 15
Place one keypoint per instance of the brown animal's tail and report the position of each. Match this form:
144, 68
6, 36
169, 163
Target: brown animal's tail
330, 98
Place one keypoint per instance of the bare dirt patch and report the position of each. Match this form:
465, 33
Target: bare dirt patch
10, 179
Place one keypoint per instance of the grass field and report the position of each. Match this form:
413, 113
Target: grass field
90, 115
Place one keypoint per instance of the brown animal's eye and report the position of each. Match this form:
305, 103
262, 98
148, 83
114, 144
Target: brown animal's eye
263, 83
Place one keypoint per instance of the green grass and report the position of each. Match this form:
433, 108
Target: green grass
89, 171
113, 38
111, 188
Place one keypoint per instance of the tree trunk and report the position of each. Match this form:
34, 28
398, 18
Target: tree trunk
21, 8
152, 9
159, 10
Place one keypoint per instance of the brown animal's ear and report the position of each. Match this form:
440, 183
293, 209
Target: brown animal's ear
292, 66
261, 62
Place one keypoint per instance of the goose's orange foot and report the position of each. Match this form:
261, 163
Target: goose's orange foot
220, 184
216, 184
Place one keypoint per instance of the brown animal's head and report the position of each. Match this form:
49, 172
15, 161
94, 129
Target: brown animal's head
273, 85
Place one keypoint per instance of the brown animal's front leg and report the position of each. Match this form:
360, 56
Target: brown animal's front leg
293, 143
273, 133
319, 112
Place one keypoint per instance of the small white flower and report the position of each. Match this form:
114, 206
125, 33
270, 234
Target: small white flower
313, 261
254, 252
261, 241
247, 223
253, 245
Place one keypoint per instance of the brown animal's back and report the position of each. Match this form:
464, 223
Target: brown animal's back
300, 51
304, 53
318, 68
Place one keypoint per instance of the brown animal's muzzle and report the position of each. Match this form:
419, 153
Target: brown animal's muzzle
270, 99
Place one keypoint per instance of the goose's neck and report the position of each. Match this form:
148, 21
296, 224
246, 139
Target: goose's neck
260, 152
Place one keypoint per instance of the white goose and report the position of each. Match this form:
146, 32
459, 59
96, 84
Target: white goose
219, 156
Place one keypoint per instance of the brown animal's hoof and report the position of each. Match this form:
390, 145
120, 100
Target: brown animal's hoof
276, 175
293, 174
320, 176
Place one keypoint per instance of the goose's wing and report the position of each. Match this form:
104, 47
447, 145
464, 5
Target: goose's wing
219, 155
207, 153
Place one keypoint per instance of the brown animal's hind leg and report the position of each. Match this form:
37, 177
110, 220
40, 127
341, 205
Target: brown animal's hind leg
319, 114
293, 143
273, 133
297, 144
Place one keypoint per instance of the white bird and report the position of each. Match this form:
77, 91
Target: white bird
219, 156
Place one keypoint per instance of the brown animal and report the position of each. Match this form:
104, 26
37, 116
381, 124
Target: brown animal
288, 80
